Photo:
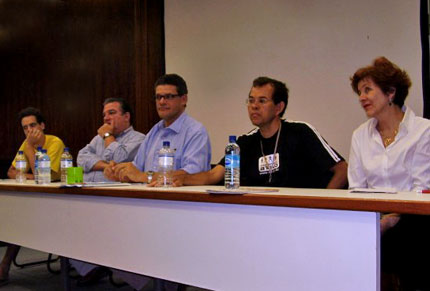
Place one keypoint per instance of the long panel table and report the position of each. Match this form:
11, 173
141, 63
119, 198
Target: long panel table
294, 239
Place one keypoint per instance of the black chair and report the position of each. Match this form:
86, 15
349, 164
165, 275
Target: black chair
51, 259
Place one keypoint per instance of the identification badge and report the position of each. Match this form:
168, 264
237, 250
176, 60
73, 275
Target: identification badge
269, 163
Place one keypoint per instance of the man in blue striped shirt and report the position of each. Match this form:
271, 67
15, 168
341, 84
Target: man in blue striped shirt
187, 136
116, 140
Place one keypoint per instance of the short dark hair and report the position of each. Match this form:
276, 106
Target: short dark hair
175, 80
29, 111
280, 92
125, 106
386, 75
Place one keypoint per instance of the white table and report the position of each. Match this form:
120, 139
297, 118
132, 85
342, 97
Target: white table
269, 241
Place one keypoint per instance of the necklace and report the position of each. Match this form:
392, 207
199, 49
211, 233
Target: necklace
387, 140
268, 165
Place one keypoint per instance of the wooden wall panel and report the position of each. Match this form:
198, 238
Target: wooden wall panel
66, 57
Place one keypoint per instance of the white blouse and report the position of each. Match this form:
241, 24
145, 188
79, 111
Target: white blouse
403, 165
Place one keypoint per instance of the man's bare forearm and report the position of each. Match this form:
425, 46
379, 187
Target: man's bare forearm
340, 177
11, 173
30, 155
211, 177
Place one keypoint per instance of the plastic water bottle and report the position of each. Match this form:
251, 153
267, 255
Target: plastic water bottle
44, 168
37, 156
66, 162
232, 164
20, 166
166, 159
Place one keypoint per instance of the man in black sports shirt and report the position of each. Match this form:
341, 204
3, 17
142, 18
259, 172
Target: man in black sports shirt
278, 153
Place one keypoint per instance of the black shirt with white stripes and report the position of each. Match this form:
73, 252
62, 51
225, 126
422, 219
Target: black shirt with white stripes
303, 158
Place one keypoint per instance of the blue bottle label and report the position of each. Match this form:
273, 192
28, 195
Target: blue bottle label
232, 161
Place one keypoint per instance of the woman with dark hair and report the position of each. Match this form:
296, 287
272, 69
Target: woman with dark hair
392, 150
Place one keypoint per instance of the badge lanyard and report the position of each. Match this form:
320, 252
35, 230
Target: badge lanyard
274, 153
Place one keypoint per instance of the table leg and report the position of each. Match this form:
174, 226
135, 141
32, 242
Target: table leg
65, 278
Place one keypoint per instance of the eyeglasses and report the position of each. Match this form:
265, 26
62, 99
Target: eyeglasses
260, 101
166, 97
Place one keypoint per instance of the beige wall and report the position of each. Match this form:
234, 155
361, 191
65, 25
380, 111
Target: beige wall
220, 46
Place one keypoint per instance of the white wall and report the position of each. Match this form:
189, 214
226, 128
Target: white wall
314, 46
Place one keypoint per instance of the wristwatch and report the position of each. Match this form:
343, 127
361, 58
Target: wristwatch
106, 135
149, 174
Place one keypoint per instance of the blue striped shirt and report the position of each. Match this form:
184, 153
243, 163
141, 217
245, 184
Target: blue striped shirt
187, 136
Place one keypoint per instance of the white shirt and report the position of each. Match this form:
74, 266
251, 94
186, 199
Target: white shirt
403, 165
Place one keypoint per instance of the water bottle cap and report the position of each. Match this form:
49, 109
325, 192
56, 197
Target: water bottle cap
20, 152
39, 149
232, 138
166, 143
44, 151
66, 149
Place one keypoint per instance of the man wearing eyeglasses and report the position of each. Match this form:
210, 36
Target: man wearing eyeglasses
278, 153
187, 137
33, 125
116, 145
116, 140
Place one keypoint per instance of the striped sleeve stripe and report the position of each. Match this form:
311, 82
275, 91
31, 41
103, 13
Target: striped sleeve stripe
328, 148
252, 131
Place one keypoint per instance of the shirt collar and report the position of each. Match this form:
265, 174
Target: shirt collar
407, 121
404, 126
124, 132
409, 116
176, 125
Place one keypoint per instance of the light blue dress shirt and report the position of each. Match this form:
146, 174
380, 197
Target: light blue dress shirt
123, 149
187, 136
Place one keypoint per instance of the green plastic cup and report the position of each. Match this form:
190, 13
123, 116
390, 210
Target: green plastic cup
75, 175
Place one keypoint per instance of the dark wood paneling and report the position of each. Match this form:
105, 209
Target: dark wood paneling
149, 55
66, 57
